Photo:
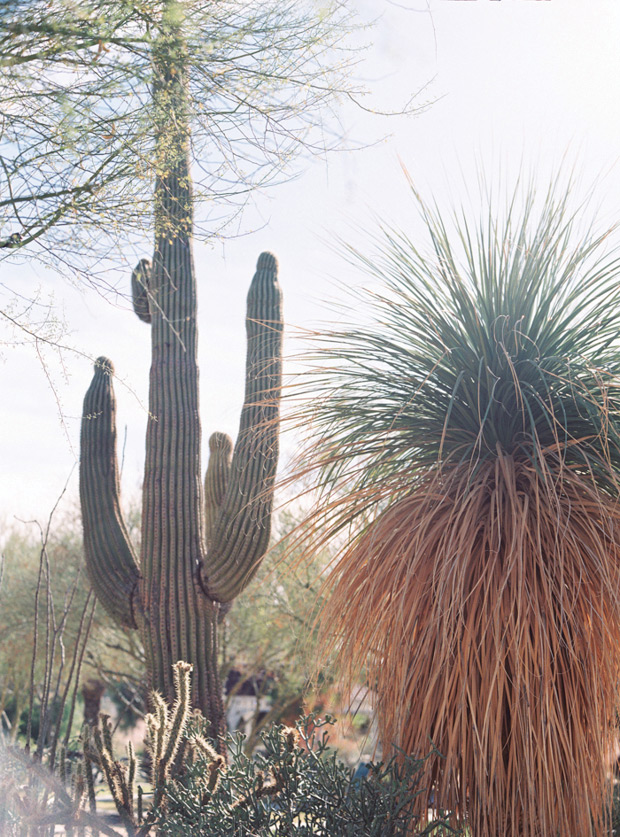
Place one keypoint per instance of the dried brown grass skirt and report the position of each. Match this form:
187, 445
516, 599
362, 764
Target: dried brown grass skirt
486, 612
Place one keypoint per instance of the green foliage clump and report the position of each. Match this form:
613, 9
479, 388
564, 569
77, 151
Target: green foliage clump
500, 334
295, 786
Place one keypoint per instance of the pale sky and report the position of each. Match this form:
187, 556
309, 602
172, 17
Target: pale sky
515, 82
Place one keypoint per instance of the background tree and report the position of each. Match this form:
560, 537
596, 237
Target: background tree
271, 635
79, 149
77, 128
44, 580
468, 441
46, 618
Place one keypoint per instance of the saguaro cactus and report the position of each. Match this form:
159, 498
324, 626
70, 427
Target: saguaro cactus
190, 566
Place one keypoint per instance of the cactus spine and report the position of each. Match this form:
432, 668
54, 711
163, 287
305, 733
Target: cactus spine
175, 593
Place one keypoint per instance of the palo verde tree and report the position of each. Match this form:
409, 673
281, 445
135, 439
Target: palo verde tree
468, 438
80, 146
195, 557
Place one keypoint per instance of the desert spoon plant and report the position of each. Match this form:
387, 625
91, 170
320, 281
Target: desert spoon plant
196, 556
469, 444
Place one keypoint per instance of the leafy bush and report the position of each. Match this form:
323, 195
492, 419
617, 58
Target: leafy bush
295, 786
289, 789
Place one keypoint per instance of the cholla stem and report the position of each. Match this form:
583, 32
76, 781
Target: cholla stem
181, 709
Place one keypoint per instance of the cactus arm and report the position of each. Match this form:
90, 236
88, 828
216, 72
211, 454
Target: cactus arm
216, 481
140, 282
110, 559
241, 535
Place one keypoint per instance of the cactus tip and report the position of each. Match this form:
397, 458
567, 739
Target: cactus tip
220, 443
182, 666
104, 364
267, 261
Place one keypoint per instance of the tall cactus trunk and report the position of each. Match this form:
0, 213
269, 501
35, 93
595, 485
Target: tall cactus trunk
181, 584
179, 623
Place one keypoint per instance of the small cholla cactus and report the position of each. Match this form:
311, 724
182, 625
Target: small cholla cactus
196, 555
216, 764
291, 737
166, 733
166, 729
168, 738
120, 778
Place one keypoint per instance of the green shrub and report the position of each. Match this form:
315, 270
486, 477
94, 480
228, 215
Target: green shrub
288, 789
294, 786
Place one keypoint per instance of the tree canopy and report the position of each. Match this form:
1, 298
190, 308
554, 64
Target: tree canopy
77, 135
